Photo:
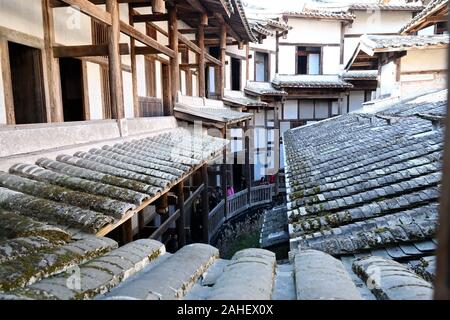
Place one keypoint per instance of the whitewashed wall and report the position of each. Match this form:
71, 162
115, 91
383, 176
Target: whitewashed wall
369, 22
287, 60
356, 100
95, 93
313, 31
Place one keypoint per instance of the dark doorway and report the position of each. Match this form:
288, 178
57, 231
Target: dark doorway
236, 74
72, 89
27, 84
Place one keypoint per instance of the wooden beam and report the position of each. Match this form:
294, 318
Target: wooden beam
187, 71
247, 61
201, 61
173, 44
7, 82
196, 5
150, 18
139, 36
115, 70
51, 65
87, 51
91, 10
86, 104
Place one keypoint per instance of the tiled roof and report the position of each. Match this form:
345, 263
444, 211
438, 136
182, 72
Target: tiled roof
430, 9
262, 88
238, 98
239, 19
360, 75
413, 6
224, 115
367, 183
320, 14
309, 81
268, 27
274, 230
90, 191
396, 43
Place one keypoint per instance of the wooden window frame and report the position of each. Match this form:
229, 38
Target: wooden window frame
268, 70
320, 47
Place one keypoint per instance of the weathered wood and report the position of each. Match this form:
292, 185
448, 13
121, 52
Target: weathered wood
127, 231
158, 6
174, 63
181, 232
187, 72
150, 18
115, 70
205, 204
7, 82
87, 51
52, 65
134, 79
201, 61
86, 104
223, 48
248, 168
247, 61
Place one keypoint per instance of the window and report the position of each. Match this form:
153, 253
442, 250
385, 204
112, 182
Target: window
27, 84
236, 72
441, 27
262, 67
309, 60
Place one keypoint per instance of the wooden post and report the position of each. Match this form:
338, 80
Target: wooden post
7, 82
205, 204
223, 48
247, 61
187, 72
181, 231
276, 145
51, 65
158, 6
162, 209
127, 231
115, 63
137, 112
201, 61
174, 63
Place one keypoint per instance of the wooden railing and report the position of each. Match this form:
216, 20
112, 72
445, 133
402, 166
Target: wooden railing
237, 204
151, 107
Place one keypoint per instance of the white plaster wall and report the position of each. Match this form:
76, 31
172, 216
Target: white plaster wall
140, 73
422, 60
30, 19
2, 100
95, 92
183, 82
350, 45
356, 100
291, 109
313, 31
331, 60
158, 80
287, 60
251, 68
128, 95
389, 85
378, 22
72, 27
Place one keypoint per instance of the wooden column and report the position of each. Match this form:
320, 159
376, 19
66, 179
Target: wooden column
223, 48
137, 112
247, 61
52, 65
205, 204
162, 209
7, 82
276, 145
201, 61
174, 63
187, 71
127, 231
181, 231
115, 63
